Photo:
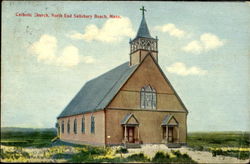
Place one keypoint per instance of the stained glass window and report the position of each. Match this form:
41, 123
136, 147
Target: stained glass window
148, 98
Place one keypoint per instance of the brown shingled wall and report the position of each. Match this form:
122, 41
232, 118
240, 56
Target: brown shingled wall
146, 74
150, 125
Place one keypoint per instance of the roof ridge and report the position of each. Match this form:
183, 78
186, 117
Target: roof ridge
106, 72
115, 85
99, 91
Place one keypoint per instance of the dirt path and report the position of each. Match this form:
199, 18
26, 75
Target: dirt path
206, 157
198, 156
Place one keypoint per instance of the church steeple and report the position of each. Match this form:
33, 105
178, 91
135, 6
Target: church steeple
143, 29
143, 43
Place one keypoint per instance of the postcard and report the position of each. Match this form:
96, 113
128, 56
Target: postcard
116, 81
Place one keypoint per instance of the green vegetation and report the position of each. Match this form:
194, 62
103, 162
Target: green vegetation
241, 153
27, 137
233, 144
16, 154
45, 148
99, 154
138, 158
84, 154
161, 157
122, 150
176, 156
89, 156
218, 139
20, 154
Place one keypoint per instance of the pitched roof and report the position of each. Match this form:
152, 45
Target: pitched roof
97, 93
127, 117
166, 120
143, 29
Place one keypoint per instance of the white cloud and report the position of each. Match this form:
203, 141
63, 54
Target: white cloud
70, 57
207, 42
211, 41
194, 47
171, 29
113, 30
181, 69
88, 59
45, 49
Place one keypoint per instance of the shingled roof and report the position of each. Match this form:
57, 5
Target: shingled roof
97, 93
143, 30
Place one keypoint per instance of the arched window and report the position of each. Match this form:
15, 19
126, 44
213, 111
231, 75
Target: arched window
75, 126
58, 129
62, 127
148, 97
92, 128
68, 127
83, 124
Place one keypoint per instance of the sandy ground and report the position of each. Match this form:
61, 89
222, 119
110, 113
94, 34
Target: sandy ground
198, 156
149, 150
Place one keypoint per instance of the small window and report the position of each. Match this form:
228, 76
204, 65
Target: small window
148, 98
58, 128
142, 98
83, 124
62, 127
92, 128
75, 126
68, 127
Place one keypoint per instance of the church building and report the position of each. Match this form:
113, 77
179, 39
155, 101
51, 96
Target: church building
131, 104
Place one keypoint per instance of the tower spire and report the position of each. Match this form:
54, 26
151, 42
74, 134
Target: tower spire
143, 29
143, 43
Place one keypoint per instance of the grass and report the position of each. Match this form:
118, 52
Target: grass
162, 157
98, 154
138, 158
122, 150
27, 139
238, 153
233, 144
218, 139
17, 153
86, 154
198, 141
216, 143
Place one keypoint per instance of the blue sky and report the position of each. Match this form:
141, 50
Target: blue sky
203, 50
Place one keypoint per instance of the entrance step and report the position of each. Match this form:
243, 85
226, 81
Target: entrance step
173, 145
132, 145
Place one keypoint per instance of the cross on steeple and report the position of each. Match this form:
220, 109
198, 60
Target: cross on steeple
143, 10
143, 43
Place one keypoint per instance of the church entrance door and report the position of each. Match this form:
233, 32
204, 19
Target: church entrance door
170, 134
131, 131
164, 132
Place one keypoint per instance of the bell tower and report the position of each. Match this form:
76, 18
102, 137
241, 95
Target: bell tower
143, 43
